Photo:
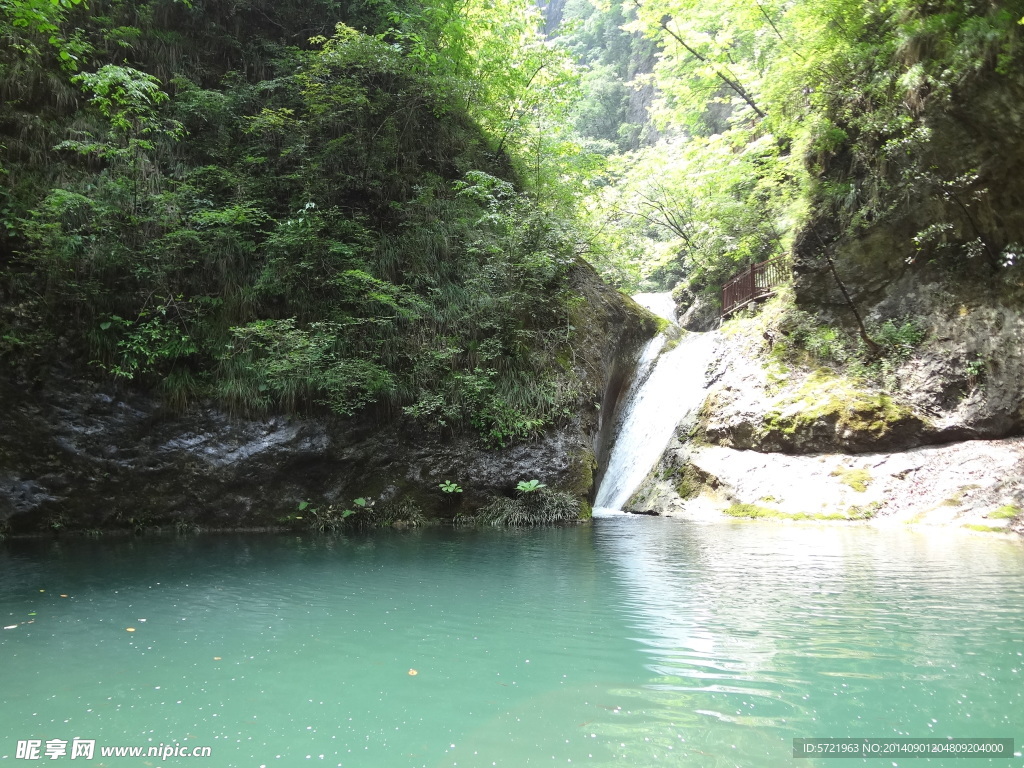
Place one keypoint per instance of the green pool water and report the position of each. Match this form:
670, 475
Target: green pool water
628, 642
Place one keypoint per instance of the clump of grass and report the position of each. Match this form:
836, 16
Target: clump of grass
402, 513
185, 527
858, 479
325, 519
540, 507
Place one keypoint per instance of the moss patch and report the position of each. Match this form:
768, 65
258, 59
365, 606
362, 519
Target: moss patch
754, 511
580, 480
858, 479
957, 499
863, 511
830, 399
985, 528
689, 482
1006, 512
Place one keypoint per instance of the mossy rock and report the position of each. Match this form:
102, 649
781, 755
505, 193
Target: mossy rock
689, 481
580, 476
830, 412
863, 511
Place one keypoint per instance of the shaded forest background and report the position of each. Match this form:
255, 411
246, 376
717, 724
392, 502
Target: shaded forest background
374, 208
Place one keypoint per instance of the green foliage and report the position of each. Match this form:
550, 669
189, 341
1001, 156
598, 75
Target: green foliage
326, 518
529, 486
337, 234
360, 514
26, 23
974, 371
806, 341
542, 507
449, 487
777, 119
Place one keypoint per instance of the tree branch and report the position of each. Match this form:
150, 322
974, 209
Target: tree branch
732, 83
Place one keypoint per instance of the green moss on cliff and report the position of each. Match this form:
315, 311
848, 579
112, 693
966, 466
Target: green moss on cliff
827, 398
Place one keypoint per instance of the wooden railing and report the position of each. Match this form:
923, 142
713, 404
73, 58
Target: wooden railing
756, 282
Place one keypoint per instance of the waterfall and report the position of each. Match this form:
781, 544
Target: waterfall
667, 386
660, 304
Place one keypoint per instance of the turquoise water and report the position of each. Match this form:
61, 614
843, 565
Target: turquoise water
629, 642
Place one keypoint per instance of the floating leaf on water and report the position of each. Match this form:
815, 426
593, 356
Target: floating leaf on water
413, 672
216, 658
63, 595
129, 629
15, 626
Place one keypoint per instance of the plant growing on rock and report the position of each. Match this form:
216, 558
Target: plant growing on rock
529, 486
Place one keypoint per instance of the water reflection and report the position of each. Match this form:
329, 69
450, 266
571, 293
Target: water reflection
755, 634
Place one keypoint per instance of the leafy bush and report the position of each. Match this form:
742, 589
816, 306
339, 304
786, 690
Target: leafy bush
806, 340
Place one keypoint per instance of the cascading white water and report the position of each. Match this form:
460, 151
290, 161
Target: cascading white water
665, 389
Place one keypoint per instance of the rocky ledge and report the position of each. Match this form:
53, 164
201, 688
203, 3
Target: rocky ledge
976, 485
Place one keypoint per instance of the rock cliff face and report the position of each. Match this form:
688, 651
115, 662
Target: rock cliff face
945, 250
795, 443
78, 454
816, 446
